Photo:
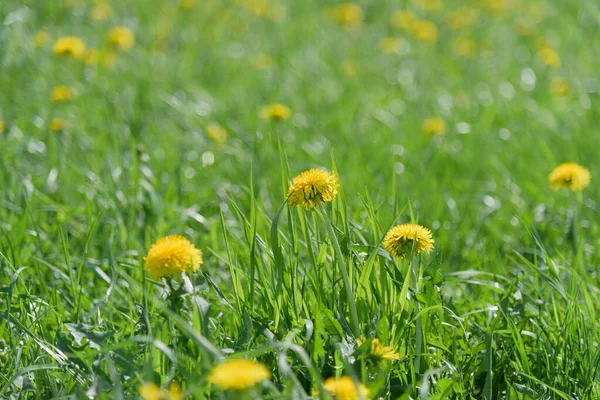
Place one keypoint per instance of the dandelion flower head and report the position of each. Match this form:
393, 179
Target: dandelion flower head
217, 133
402, 239
61, 93
379, 350
151, 391
571, 176
57, 125
238, 374
69, 45
121, 38
344, 388
313, 187
275, 111
172, 255
434, 126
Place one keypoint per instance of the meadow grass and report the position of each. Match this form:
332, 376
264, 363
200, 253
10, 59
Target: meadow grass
504, 307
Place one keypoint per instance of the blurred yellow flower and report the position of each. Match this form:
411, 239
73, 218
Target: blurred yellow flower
424, 30
463, 47
350, 68
57, 125
461, 18
498, 8
91, 57
265, 8
549, 57
434, 126
2, 125
429, 5
262, 61
121, 38
275, 111
379, 350
390, 45
560, 87
345, 388
189, 4
41, 38
101, 11
69, 45
402, 239
238, 374
402, 19
217, 133
571, 176
171, 256
348, 15
61, 93
312, 188
151, 391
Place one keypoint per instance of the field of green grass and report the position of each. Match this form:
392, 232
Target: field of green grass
193, 117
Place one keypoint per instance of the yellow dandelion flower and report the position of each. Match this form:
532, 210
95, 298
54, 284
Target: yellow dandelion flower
57, 125
121, 38
348, 15
217, 133
434, 126
549, 57
2, 126
390, 45
379, 350
571, 176
238, 374
401, 240
424, 30
429, 5
463, 47
41, 38
69, 45
345, 388
101, 11
171, 256
275, 111
262, 61
461, 18
61, 93
498, 8
150, 391
313, 187
350, 68
560, 87
402, 19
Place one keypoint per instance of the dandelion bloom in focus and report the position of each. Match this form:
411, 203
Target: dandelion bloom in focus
463, 47
217, 133
275, 111
571, 176
403, 239
348, 15
238, 374
101, 11
41, 38
69, 45
549, 57
390, 45
434, 126
151, 391
171, 256
560, 87
61, 93
313, 187
57, 125
379, 350
344, 388
402, 19
121, 38
424, 30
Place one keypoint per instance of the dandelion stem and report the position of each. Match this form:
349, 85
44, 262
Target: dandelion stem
419, 326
